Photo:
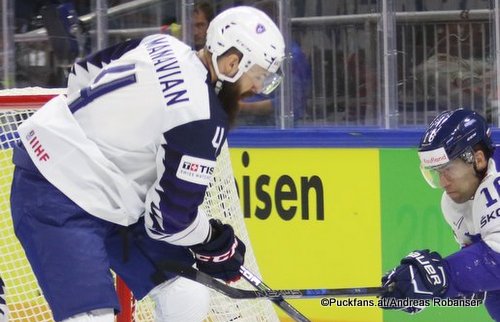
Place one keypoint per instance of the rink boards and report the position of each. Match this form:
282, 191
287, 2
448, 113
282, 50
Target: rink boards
374, 208
328, 209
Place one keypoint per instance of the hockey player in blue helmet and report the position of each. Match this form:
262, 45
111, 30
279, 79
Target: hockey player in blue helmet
456, 155
447, 151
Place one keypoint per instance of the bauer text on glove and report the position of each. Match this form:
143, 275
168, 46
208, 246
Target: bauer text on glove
420, 276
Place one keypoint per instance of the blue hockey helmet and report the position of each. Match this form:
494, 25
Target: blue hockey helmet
450, 135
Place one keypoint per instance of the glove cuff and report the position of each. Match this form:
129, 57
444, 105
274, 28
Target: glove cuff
220, 246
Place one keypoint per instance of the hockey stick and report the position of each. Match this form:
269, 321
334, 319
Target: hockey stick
284, 305
193, 274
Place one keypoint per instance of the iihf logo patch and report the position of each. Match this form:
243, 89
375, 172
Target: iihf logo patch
260, 28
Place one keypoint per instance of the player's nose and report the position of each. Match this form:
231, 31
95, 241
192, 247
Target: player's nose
443, 181
257, 86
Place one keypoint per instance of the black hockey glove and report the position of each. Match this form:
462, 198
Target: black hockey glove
421, 276
221, 256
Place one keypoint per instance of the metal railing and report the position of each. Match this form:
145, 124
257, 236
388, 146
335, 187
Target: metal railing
443, 59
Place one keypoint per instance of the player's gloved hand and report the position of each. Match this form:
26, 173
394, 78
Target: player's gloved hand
421, 276
222, 255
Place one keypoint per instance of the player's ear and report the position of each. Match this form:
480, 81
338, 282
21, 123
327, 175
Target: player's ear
480, 160
230, 64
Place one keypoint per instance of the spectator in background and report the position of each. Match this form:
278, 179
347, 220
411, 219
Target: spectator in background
255, 110
171, 27
24, 14
202, 15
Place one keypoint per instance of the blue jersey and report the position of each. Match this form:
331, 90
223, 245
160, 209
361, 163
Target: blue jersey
137, 134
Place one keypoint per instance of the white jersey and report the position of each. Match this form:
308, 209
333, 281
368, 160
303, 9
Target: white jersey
137, 134
479, 217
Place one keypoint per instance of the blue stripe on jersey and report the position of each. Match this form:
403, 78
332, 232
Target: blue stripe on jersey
107, 55
2, 294
195, 138
179, 199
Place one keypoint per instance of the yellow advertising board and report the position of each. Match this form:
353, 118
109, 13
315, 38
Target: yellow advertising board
313, 217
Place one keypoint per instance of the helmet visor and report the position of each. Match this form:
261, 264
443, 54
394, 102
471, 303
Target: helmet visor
452, 171
265, 82
430, 162
431, 176
436, 166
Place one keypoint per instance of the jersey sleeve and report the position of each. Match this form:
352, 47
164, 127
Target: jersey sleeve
475, 268
186, 162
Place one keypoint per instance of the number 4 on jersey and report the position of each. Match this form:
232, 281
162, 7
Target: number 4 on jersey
117, 77
218, 137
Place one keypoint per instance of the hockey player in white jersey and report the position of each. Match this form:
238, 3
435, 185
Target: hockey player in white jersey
133, 144
456, 154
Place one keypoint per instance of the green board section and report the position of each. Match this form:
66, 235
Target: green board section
412, 219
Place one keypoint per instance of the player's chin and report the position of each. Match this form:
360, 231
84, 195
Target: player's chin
457, 197
246, 94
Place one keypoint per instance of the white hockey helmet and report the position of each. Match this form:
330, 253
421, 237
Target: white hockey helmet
255, 35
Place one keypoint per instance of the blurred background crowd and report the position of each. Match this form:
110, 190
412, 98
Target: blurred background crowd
370, 63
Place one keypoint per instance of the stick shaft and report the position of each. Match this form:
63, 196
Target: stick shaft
280, 301
205, 279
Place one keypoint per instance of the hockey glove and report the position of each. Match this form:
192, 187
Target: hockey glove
421, 276
222, 255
